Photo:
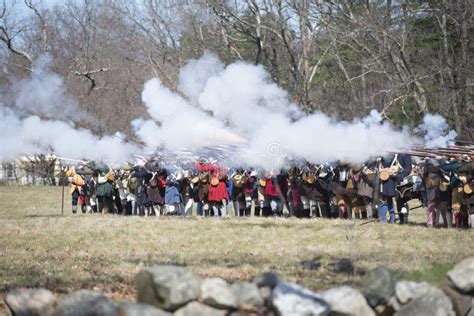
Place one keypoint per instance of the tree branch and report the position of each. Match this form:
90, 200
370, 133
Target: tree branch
88, 75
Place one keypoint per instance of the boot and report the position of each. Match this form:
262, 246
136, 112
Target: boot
247, 211
74, 209
342, 210
257, 211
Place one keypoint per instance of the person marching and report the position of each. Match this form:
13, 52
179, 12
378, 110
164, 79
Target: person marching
357, 202
388, 173
75, 185
432, 181
273, 195
202, 194
250, 193
155, 194
218, 194
173, 197
237, 194
104, 190
311, 195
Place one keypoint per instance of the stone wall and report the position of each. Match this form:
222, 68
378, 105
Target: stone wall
171, 290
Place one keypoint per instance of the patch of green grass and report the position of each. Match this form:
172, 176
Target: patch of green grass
435, 274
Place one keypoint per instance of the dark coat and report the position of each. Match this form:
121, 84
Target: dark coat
432, 193
311, 191
154, 195
237, 194
105, 189
388, 188
203, 191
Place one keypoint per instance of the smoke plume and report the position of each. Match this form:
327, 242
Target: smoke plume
436, 131
43, 94
221, 104
235, 113
33, 135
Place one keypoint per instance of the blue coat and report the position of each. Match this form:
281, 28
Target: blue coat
172, 194
388, 187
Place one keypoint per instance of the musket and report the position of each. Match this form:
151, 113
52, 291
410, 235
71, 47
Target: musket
413, 153
464, 142
445, 150
69, 159
462, 147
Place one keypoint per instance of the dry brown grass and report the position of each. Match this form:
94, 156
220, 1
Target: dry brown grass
39, 247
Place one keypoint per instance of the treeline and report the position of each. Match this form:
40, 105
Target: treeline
404, 58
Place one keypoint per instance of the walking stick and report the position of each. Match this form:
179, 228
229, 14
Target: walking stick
62, 197
367, 222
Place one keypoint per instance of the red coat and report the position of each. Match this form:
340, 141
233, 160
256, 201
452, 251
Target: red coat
219, 192
249, 186
271, 189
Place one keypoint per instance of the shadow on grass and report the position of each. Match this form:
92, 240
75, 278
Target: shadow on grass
417, 224
222, 262
43, 216
333, 265
269, 223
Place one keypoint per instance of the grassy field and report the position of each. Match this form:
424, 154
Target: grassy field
41, 248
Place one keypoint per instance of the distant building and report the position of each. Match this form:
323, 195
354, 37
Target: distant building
31, 170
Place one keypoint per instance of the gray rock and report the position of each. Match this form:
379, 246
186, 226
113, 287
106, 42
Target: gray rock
462, 303
408, 290
347, 301
433, 303
394, 304
86, 303
216, 292
266, 294
378, 286
247, 294
31, 302
292, 299
199, 309
462, 275
266, 279
167, 287
139, 309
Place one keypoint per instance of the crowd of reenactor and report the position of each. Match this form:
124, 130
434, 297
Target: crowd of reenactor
376, 189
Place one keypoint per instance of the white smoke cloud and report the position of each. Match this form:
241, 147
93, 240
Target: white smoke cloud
22, 131
244, 101
33, 135
194, 75
436, 131
237, 110
181, 125
44, 93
